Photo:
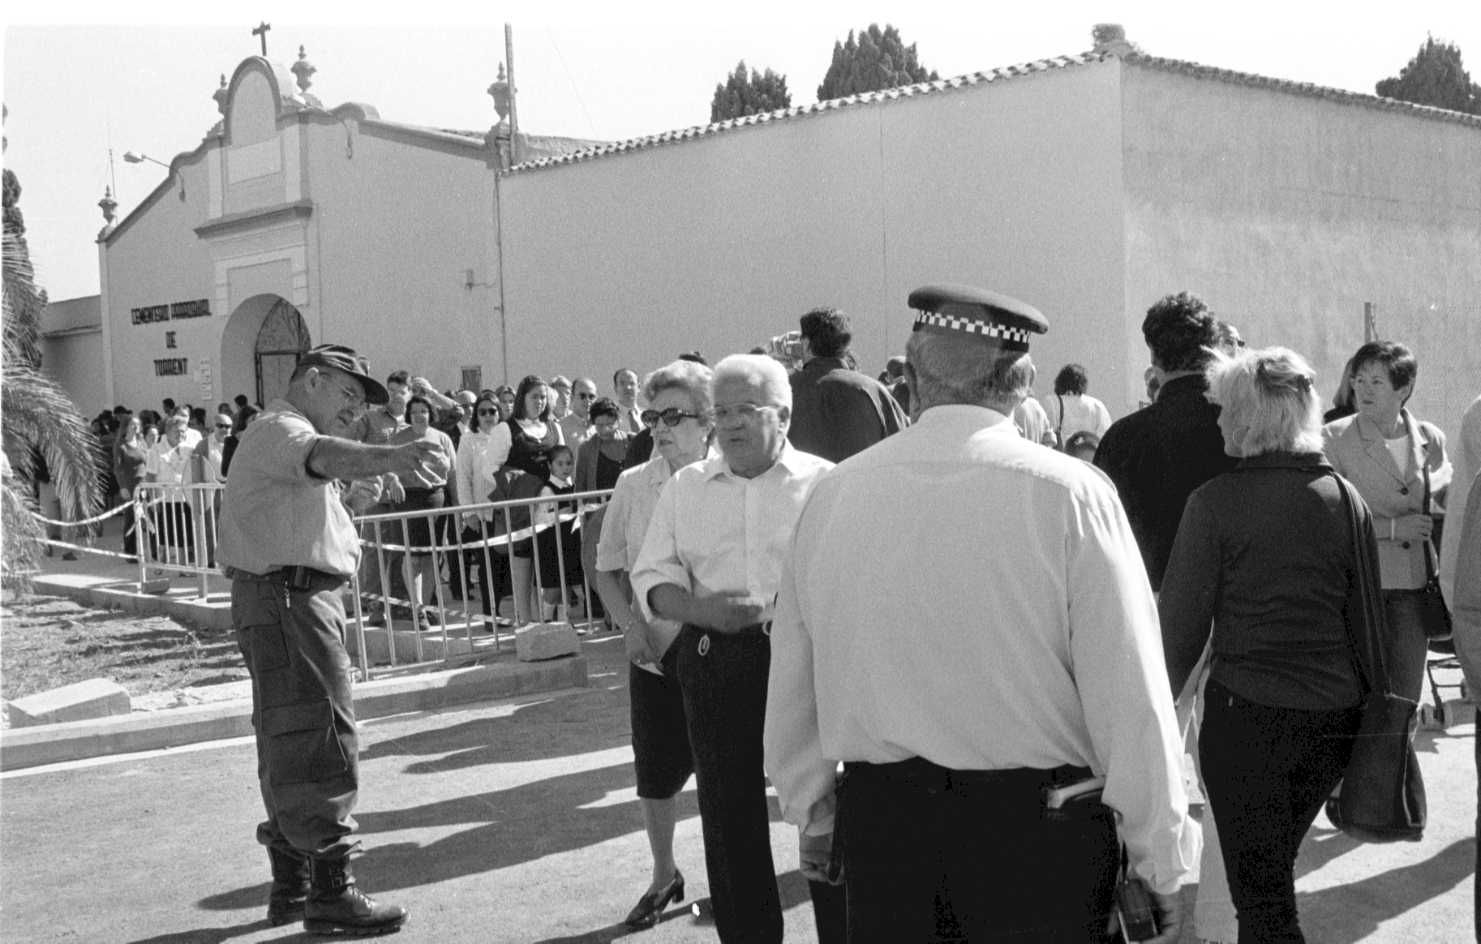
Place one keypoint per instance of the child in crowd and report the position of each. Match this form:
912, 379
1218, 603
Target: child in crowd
558, 549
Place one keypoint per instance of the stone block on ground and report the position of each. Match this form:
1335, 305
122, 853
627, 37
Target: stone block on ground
538, 641
95, 698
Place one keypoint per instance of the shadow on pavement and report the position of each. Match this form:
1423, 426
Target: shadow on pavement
1321, 845
1358, 908
590, 721
216, 935
509, 827
791, 887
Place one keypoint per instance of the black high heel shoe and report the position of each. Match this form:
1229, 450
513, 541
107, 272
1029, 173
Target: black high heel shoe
645, 913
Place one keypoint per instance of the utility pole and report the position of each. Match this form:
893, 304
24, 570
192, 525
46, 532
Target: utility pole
514, 155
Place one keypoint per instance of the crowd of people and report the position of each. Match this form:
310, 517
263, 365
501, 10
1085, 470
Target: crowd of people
1186, 577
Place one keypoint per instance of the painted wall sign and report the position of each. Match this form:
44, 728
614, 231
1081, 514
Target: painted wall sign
170, 367
196, 308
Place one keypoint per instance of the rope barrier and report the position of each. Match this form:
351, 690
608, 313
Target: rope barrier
86, 521
88, 549
494, 541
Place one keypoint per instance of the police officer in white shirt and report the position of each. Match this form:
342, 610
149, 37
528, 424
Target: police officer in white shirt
1013, 651
712, 560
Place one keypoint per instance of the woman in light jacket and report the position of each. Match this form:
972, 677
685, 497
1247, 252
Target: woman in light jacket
1383, 451
475, 479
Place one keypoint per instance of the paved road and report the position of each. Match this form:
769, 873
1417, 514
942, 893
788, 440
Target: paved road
517, 821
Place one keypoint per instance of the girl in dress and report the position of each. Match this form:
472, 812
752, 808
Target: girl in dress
558, 550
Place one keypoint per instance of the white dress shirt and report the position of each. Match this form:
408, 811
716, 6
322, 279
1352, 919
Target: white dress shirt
1033, 422
714, 532
170, 465
1017, 630
1082, 413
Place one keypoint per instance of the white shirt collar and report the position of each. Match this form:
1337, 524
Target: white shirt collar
717, 465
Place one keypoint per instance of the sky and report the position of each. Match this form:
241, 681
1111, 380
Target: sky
82, 79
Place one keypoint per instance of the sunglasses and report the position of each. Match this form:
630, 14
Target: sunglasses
488, 412
671, 417
586, 396
223, 426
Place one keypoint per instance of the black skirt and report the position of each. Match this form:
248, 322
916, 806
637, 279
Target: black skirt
418, 528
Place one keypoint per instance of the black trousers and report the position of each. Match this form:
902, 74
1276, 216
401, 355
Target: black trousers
302, 710
723, 681
935, 855
1267, 772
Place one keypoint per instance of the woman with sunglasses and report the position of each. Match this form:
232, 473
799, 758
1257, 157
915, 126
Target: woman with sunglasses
679, 416
474, 479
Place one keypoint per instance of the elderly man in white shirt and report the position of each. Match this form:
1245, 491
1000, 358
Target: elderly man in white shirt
171, 519
712, 561
1015, 650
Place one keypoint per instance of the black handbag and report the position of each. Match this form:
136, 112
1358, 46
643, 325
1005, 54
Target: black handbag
1381, 797
1434, 615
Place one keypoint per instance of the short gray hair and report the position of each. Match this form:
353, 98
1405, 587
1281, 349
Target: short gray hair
758, 369
1271, 394
950, 370
689, 378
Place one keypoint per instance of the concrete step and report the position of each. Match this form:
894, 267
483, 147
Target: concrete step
80, 701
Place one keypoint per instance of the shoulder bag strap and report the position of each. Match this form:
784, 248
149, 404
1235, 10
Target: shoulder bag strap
1431, 571
1372, 672
1059, 433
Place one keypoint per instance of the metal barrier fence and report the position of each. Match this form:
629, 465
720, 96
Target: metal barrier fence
437, 585
508, 564
175, 528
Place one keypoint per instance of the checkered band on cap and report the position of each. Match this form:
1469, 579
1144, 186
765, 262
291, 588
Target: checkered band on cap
1012, 338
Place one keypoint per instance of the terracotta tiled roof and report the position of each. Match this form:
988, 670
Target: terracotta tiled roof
999, 75
1300, 88
817, 108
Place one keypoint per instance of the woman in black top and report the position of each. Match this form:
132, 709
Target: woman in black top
524, 442
1265, 556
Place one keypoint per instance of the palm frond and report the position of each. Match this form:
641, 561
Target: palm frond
21, 538
39, 415
23, 304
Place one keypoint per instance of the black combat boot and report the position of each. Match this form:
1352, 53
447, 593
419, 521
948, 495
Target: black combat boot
336, 906
290, 885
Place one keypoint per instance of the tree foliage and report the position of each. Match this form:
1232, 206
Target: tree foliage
877, 59
745, 94
40, 420
1436, 76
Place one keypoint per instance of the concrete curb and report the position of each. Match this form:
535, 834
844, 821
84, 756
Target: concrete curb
213, 613
141, 731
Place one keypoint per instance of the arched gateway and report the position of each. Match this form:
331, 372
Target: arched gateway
260, 347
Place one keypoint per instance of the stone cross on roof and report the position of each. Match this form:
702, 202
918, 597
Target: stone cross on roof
260, 30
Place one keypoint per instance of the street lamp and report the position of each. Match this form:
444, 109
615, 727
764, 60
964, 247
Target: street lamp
134, 157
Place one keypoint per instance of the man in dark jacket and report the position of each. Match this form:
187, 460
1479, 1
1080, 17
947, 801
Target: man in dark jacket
1158, 455
837, 411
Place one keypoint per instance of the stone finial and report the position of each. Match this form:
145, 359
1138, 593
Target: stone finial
108, 205
1110, 39
303, 70
220, 95
500, 92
